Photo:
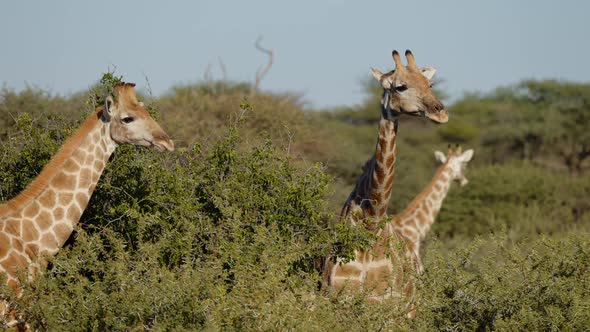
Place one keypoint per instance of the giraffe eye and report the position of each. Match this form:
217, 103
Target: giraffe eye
127, 119
401, 88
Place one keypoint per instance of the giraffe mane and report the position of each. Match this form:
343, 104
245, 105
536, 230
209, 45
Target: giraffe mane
51, 169
367, 165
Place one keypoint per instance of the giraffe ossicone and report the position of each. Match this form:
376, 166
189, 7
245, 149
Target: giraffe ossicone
39, 220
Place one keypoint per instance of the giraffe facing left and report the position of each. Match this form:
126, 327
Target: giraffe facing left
39, 220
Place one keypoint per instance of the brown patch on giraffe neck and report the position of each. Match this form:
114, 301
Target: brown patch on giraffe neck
389, 183
53, 167
4, 249
380, 177
12, 227
389, 161
376, 196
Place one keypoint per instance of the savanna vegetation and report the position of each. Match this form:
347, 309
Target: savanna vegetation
222, 234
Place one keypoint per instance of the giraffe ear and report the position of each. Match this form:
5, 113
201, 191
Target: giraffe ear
376, 73
428, 72
467, 155
108, 107
386, 84
440, 157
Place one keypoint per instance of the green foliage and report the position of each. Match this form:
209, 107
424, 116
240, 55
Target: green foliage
525, 199
543, 288
458, 131
197, 113
229, 216
224, 233
45, 110
104, 87
27, 149
545, 121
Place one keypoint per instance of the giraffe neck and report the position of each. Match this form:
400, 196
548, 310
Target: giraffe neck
415, 221
43, 216
382, 169
373, 188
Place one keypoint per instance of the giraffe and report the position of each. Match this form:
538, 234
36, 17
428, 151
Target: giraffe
415, 221
38, 221
398, 241
406, 90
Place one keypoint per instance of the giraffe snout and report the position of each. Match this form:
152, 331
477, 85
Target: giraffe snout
163, 142
441, 116
463, 181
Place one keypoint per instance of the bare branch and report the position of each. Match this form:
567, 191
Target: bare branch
223, 69
149, 87
290, 136
264, 70
207, 77
223, 75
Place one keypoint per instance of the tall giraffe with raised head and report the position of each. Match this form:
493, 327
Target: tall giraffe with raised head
415, 221
39, 220
406, 90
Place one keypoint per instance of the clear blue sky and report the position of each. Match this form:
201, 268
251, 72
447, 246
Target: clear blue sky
323, 48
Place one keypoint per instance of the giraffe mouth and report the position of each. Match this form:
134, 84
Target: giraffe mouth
163, 145
438, 117
441, 116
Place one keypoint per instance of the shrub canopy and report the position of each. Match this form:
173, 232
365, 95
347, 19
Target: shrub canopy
224, 233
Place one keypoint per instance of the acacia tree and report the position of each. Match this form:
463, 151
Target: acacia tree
545, 121
566, 107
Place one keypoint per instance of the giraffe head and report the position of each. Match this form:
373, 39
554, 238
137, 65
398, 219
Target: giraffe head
130, 123
408, 90
457, 161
